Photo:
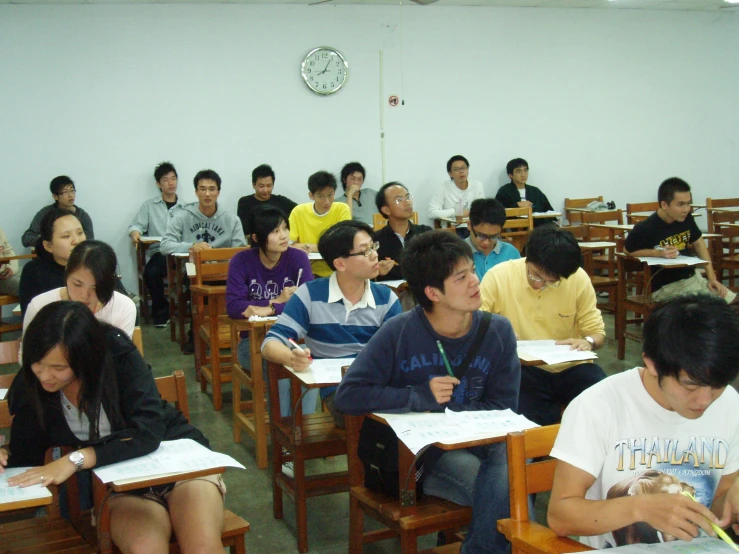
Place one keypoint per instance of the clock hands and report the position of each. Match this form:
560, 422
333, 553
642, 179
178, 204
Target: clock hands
325, 69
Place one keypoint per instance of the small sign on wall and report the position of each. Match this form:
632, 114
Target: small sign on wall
393, 101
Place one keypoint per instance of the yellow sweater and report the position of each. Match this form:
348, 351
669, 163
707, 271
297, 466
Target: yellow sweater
568, 311
306, 227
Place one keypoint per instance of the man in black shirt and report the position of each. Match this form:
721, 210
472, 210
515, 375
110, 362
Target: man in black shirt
669, 232
396, 205
263, 181
519, 194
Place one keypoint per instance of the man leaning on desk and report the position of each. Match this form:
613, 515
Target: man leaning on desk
444, 353
547, 295
668, 233
633, 446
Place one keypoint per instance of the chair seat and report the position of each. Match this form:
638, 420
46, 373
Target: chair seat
453, 548
42, 534
317, 428
224, 332
531, 537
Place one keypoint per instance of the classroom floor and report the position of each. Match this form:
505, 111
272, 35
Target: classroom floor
250, 492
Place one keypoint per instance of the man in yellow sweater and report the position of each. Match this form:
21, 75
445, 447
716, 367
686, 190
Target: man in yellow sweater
547, 295
308, 221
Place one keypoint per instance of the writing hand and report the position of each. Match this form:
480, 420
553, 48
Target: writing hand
670, 252
300, 360
676, 515
443, 387
730, 512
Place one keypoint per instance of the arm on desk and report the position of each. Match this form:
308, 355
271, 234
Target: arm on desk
172, 239
436, 205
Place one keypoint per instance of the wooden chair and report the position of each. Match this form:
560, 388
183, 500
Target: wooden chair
575, 217
721, 213
604, 262
407, 519
144, 294
138, 340
518, 224
211, 326
713, 204
378, 221
637, 208
634, 295
527, 477
178, 296
172, 388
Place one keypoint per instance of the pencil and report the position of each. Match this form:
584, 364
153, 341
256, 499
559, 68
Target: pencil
446, 360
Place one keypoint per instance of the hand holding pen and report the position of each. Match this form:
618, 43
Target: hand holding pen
300, 357
443, 387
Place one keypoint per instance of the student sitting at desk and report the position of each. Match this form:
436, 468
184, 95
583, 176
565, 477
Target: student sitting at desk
308, 221
9, 277
518, 194
262, 279
336, 315
263, 182
444, 353
361, 201
487, 217
669, 232
84, 384
151, 220
455, 196
631, 444
547, 295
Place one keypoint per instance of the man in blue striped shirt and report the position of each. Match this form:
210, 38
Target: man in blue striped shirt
336, 315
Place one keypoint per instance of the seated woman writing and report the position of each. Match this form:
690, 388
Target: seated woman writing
91, 279
84, 384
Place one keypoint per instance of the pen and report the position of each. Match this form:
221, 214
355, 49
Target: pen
443, 357
295, 344
720, 532
300, 274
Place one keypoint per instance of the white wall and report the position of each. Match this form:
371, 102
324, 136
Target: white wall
600, 102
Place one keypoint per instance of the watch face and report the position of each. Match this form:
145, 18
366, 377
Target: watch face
324, 70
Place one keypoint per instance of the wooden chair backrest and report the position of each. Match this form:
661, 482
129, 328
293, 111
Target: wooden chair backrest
525, 477
9, 351
580, 232
610, 216
721, 217
518, 219
173, 388
378, 221
575, 217
212, 265
138, 340
638, 207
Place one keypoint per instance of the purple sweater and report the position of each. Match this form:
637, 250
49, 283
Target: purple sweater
251, 284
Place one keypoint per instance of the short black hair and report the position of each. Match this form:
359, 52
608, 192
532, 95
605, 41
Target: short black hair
428, 260
206, 174
695, 333
338, 240
163, 169
100, 260
47, 224
669, 187
262, 221
487, 210
350, 168
320, 180
514, 164
260, 172
554, 251
457, 158
381, 201
58, 183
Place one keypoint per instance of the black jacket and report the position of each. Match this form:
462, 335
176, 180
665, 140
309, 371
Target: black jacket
391, 247
148, 419
509, 196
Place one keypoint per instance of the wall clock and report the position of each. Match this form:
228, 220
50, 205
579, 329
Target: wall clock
324, 70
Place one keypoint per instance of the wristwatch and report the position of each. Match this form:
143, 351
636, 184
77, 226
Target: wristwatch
77, 458
591, 340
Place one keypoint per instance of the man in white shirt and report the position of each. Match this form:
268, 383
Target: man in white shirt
629, 445
455, 196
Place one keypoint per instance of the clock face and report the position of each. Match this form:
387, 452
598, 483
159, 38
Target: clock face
324, 70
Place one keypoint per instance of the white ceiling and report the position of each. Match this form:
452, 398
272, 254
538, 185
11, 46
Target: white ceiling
679, 5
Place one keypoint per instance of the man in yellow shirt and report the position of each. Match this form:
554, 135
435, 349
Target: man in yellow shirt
308, 221
547, 295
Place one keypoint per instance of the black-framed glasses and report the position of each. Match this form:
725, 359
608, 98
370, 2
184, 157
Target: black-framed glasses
367, 251
483, 236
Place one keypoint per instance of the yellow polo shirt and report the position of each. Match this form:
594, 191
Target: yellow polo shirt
568, 311
306, 227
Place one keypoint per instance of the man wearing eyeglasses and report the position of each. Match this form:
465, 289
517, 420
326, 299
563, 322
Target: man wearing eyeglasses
487, 217
547, 295
63, 192
336, 315
395, 204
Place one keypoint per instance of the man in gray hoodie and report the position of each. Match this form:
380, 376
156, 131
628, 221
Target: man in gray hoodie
202, 226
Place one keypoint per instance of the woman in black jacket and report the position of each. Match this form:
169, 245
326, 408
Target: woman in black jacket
84, 384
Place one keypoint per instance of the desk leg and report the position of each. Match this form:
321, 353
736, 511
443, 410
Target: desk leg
256, 336
277, 459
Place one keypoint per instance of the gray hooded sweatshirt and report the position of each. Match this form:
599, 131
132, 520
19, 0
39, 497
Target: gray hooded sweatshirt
189, 226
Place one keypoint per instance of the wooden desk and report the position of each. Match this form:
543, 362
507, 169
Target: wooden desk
25, 503
215, 368
541, 215
450, 221
178, 296
141, 247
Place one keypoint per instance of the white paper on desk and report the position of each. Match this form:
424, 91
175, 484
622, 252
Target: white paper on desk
14, 494
551, 353
680, 260
3, 392
151, 239
551, 213
597, 244
190, 269
701, 545
260, 318
328, 370
170, 457
315, 256
392, 284
181, 254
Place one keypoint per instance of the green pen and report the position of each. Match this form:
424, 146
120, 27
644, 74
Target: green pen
446, 360
720, 532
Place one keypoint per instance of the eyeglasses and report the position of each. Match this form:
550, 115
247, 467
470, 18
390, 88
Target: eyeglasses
537, 279
458, 169
400, 199
367, 251
67, 192
483, 236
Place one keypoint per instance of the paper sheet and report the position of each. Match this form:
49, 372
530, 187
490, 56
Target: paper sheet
315, 256
680, 260
3, 392
151, 239
552, 353
597, 244
393, 284
14, 494
418, 430
170, 457
328, 370
550, 213
701, 545
190, 269
260, 318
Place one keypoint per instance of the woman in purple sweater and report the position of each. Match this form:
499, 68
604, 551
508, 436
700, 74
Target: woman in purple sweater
262, 279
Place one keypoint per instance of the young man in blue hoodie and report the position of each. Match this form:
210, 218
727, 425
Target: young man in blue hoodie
401, 370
